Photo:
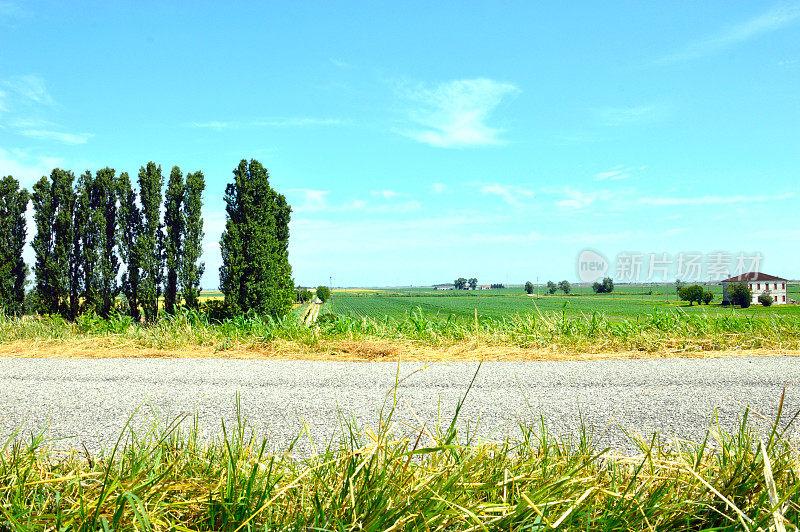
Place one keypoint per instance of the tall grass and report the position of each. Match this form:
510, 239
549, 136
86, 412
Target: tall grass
660, 331
169, 478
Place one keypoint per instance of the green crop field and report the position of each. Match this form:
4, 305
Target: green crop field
627, 301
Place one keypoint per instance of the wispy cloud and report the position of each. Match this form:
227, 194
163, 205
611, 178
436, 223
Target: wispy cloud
10, 11
316, 201
25, 166
454, 114
439, 188
620, 116
776, 18
575, 199
58, 136
386, 194
713, 200
511, 194
617, 173
29, 88
272, 122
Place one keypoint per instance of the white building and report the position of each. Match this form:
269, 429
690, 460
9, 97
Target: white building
759, 283
443, 287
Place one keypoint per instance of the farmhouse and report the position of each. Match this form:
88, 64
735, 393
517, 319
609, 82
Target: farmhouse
759, 283
443, 287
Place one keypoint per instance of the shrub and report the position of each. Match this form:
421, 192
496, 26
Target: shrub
765, 299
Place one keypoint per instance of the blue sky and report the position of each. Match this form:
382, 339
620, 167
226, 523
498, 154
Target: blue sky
419, 142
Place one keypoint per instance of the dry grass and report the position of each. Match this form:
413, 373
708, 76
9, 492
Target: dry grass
352, 351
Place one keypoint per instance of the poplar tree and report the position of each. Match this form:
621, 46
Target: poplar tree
255, 272
13, 271
191, 269
174, 223
104, 222
150, 242
84, 253
128, 233
53, 204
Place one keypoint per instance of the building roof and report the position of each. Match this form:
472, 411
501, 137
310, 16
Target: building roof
752, 276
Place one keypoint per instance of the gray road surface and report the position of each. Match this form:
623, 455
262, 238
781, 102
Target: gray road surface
88, 401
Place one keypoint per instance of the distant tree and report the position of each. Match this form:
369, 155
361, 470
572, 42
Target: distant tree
323, 293
605, 287
528, 287
497, 286
53, 204
692, 294
551, 287
303, 294
150, 242
473, 283
173, 240
565, 287
740, 294
678, 285
13, 271
608, 285
765, 300
191, 269
255, 272
708, 296
460, 283
130, 230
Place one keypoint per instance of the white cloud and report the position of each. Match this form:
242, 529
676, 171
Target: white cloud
25, 167
64, 138
440, 188
577, 199
713, 200
511, 194
776, 18
386, 194
454, 114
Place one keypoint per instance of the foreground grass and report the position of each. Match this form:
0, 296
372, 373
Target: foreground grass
436, 479
560, 332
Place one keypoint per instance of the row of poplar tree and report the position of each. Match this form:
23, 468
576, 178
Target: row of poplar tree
90, 229
98, 237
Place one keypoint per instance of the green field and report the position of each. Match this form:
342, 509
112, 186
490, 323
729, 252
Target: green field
627, 301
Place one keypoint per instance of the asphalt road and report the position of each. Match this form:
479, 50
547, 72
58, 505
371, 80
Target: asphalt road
88, 401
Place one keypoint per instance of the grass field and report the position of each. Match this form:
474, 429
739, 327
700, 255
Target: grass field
627, 301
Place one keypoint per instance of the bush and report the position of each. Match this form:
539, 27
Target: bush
765, 299
215, 311
740, 294
323, 293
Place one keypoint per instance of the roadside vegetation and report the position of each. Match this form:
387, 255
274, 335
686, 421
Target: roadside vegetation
559, 333
425, 478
